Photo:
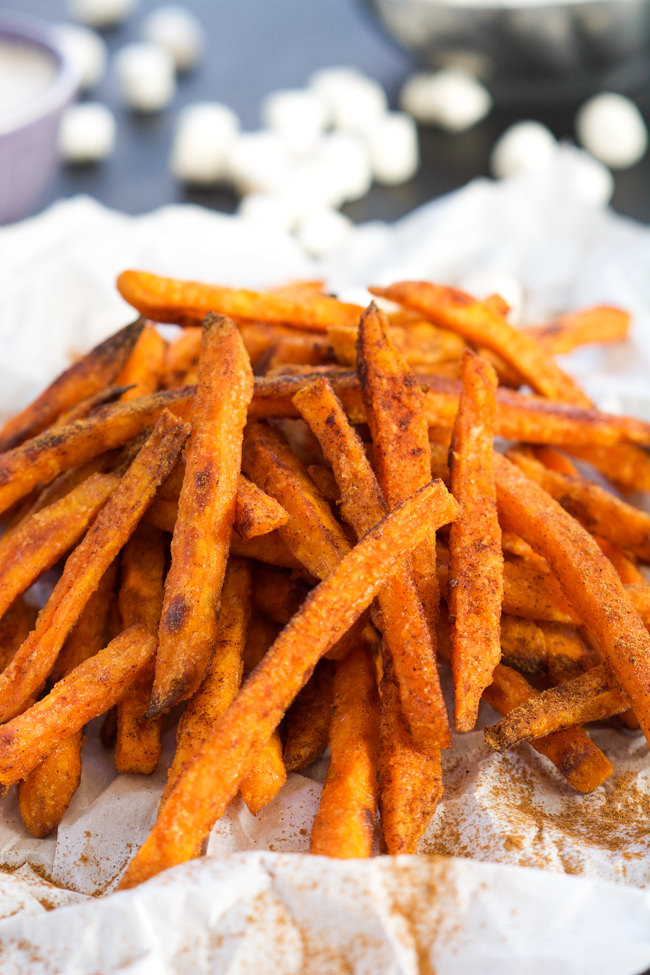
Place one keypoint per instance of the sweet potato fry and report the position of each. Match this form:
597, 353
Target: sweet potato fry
40, 460
137, 743
182, 357
15, 624
627, 468
45, 794
143, 370
223, 676
625, 565
482, 325
109, 394
592, 582
404, 625
41, 539
278, 595
567, 653
523, 645
187, 302
206, 510
602, 324
475, 556
90, 374
345, 821
87, 563
308, 719
256, 513
269, 549
89, 690
203, 791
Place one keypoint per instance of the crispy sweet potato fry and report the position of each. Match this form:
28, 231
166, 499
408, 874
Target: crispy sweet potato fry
97, 369
182, 357
269, 549
475, 556
87, 563
143, 370
623, 562
602, 324
187, 302
203, 791
345, 821
223, 676
404, 625
91, 688
308, 719
256, 513
142, 566
584, 572
45, 794
206, 510
278, 595
15, 624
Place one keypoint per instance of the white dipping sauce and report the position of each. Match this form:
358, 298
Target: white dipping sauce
25, 71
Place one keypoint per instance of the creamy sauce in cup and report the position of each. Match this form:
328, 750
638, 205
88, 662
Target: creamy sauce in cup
25, 72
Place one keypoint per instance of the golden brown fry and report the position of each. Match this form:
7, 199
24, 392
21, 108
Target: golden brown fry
256, 513
15, 624
97, 369
143, 370
40, 460
137, 744
269, 549
109, 394
345, 822
91, 688
182, 357
628, 570
206, 510
592, 582
224, 674
627, 468
404, 625
187, 302
308, 719
523, 645
475, 556
87, 563
602, 324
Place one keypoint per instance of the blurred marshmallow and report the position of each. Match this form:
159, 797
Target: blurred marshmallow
322, 233
257, 161
86, 133
267, 210
204, 133
87, 51
179, 32
452, 99
612, 129
590, 178
101, 13
299, 116
393, 148
353, 100
524, 147
345, 158
145, 76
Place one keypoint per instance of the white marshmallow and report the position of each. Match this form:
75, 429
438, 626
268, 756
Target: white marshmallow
145, 76
452, 99
86, 133
344, 157
101, 13
322, 233
267, 210
353, 100
612, 129
204, 133
589, 178
308, 186
257, 162
179, 32
393, 148
485, 282
298, 116
524, 147
87, 51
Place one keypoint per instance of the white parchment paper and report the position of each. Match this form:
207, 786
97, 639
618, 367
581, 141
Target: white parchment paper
533, 877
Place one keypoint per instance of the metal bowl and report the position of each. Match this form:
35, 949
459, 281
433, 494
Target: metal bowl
29, 129
528, 51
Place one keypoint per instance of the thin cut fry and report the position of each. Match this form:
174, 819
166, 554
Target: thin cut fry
565, 333
15, 625
206, 510
207, 785
308, 719
256, 513
143, 370
345, 821
86, 565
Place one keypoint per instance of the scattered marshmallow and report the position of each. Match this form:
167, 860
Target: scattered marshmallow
452, 99
86, 133
101, 13
85, 49
267, 210
484, 282
524, 147
344, 156
612, 129
307, 185
145, 76
393, 148
590, 178
257, 162
179, 32
299, 116
353, 100
321, 233
204, 133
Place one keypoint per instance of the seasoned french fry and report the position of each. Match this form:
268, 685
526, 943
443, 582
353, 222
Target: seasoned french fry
15, 624
206, 510
308, 719
278, 595
256, 513
475, 556
269, 549
84, 378
602, 324
203, 791
187, 302
87, 563
523, 645
182, 357
345, 821
143, 370
142, 566
89, 690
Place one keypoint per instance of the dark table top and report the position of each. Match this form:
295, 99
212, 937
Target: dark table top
257, 46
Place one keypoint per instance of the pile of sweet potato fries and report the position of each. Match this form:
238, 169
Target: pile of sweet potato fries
283, 519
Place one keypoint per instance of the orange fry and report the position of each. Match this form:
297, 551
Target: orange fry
565, 333
143, 370
15, 624
308, 719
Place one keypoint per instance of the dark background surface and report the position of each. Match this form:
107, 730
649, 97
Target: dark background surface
259, 45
